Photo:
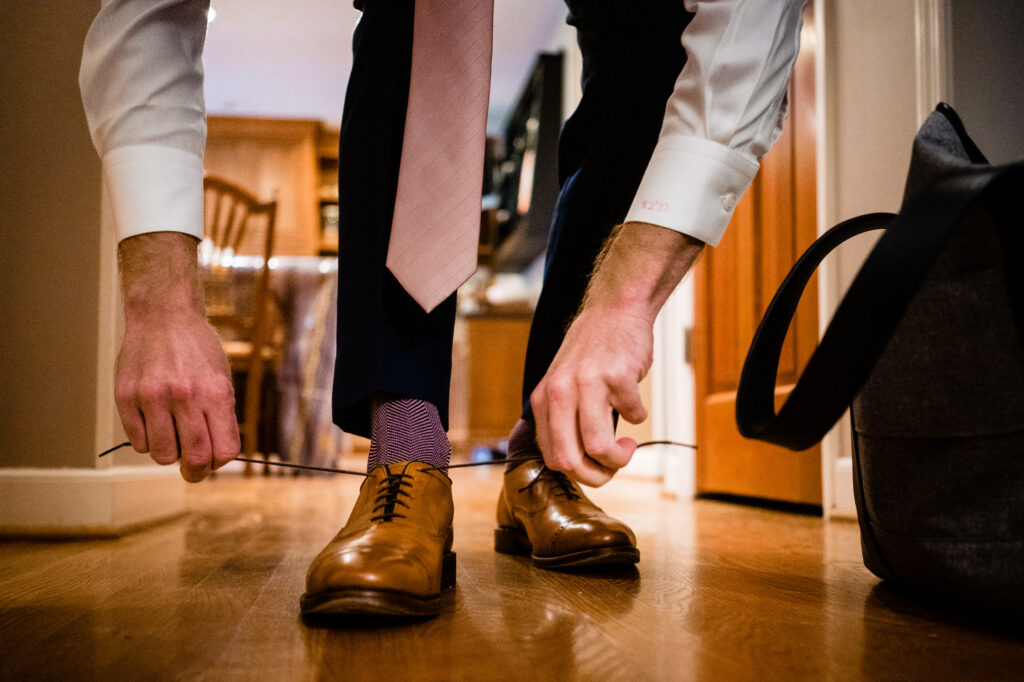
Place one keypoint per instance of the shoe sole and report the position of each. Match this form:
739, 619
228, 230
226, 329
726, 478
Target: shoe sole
364, 602
514, 541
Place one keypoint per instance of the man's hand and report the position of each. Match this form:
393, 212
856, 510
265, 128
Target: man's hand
596, 370
607, 351
173, 387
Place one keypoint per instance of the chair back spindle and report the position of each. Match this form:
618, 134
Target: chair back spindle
233, 218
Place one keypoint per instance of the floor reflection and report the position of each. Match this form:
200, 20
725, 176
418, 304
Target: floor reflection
995, 639
526, 611
721, 592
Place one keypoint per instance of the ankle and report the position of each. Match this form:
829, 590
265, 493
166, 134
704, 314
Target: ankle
522, 442
406, 430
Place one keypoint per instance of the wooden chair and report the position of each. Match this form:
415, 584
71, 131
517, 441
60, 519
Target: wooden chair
235, 220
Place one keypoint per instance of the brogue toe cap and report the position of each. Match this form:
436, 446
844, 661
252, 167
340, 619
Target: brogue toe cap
371, 568
589, 533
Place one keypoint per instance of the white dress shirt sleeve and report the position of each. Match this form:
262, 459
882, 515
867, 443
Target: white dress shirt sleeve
142, 87
725, 113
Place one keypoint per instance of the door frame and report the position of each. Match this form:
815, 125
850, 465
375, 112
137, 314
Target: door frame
847, 185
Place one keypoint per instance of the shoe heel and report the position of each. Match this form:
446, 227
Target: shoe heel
512, 541
448, 571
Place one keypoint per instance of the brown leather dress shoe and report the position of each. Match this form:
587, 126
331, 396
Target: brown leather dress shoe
545, 516
394, 556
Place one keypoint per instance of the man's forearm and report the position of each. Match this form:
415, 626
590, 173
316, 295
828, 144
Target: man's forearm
607, 350
160, 276
173, 386
639, 268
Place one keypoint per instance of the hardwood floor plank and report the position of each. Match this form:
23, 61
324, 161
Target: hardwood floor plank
722, 592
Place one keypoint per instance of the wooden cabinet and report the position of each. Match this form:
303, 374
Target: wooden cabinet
327, 190
487, 375
289, 160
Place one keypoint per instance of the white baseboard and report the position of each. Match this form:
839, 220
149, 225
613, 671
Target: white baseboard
680, 472
87, 502
645, 464
675, 467
843, 505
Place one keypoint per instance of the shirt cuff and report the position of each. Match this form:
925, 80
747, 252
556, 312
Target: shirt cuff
154, 189
692, 185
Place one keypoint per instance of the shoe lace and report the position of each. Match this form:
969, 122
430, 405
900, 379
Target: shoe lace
391, 487
560, 482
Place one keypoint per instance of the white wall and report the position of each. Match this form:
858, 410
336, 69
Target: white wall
60, 301
867, 85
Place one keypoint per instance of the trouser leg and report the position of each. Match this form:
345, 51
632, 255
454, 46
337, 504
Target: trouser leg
632, 56
386, 343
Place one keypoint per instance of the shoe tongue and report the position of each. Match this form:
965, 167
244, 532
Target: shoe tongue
532, 463
410, 469
391, 469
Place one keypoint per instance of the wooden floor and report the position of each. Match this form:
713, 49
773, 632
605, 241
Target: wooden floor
722, 592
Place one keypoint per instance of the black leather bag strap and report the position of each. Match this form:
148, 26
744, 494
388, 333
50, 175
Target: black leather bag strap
869, 313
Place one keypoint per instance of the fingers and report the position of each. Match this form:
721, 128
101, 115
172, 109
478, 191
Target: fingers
177, 430
559, 440
625, 397
196, 450
223, 426
576, 430
134, 424
176, 423
597, 431
557, 434
592, 473
161, 433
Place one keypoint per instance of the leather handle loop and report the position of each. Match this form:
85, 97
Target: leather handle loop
755, 397
869, 313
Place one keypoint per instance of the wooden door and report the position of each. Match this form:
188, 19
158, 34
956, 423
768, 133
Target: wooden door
773, 224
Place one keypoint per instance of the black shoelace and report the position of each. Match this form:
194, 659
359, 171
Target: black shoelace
391, 487
562, 484
491, 462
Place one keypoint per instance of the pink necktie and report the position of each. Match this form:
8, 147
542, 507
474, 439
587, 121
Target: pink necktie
436, 225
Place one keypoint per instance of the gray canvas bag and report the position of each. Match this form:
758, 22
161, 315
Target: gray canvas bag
926, 349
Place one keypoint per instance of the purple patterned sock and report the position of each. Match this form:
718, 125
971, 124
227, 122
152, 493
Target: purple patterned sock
406, 430
522, 442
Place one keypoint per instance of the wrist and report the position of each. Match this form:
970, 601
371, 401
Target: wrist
606, 297
639, 269
143, 303
160, 277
